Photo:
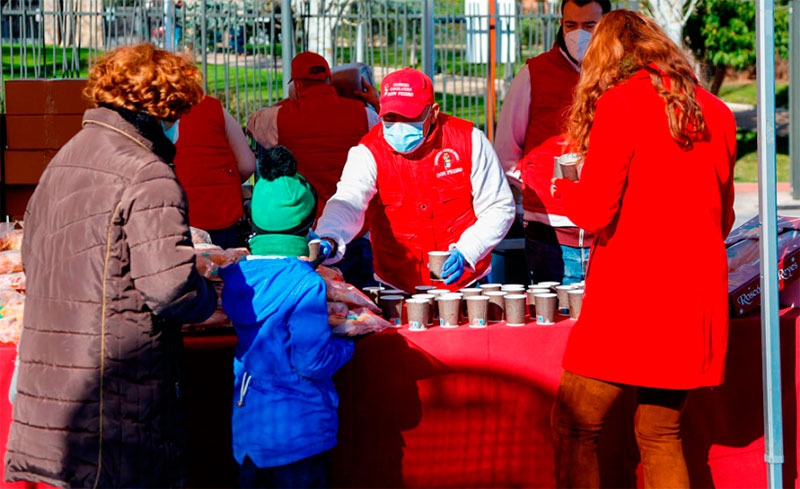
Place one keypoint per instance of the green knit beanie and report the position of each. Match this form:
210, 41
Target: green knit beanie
283, 202
283, 205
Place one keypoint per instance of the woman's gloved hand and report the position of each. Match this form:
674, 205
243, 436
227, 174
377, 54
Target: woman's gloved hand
453, 267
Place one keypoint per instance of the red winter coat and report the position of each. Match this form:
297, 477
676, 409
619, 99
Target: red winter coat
655, 312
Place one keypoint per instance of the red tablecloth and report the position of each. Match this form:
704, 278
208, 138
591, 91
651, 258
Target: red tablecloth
469, 408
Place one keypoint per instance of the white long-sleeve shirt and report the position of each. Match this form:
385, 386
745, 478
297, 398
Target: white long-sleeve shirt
492, 201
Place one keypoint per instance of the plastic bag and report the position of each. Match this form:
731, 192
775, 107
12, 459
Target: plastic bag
210, 258
361, 321
349, 294
11, 310
13, 280
10, 261
200, 236
337, 313
10, 236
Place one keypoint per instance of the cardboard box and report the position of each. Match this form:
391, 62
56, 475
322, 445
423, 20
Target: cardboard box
39, 96
41, 131
744, 268
24, 167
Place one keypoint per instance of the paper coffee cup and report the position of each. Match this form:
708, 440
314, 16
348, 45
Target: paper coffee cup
436, 293
545, 308
449, 310
477, 306
575, 302
392, 309
436, 260
423, 289
489, 287
549, 284
373, 292
563, 298
532, 302
431, 305
496, 305
515, 309
468, 292
384, 292
566, 166
419, 313
313, 249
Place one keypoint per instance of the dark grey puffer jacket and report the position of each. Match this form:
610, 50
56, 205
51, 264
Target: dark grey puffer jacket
110, 277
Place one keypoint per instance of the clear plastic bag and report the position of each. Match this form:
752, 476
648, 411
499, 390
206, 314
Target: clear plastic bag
361, 321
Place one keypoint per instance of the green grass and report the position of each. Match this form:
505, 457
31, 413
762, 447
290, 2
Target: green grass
746, 169
746, 93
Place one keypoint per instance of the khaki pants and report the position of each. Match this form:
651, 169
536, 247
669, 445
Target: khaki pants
578, 416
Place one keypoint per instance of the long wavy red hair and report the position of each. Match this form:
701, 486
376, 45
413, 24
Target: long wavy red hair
623, 43
143, 78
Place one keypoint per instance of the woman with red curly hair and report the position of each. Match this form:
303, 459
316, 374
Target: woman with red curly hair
110, 279
655, 314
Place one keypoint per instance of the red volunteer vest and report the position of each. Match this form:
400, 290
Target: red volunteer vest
553, 81
206, 168
319, 128
424, 203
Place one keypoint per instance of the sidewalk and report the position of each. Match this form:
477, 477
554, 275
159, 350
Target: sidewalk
746, 201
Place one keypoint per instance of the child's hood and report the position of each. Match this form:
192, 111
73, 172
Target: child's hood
255, 289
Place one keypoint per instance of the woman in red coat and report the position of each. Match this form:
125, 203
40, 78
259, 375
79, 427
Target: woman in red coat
657, 189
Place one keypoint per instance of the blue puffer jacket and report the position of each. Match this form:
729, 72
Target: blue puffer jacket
284, 406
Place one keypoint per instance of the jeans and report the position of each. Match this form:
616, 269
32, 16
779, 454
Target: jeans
356, 265
554, 262
577, 420
311, 472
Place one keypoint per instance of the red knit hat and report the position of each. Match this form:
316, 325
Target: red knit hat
310, 66
406, 92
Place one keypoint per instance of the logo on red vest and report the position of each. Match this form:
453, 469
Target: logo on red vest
448, 158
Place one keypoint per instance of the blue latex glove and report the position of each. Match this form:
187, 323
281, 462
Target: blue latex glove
325, 249
453, 267
312, 235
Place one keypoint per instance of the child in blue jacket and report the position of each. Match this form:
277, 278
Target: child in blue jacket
284, 418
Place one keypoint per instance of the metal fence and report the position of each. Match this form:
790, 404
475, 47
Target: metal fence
240, 44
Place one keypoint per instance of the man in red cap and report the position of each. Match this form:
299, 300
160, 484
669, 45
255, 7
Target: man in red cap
318, 126
433, 183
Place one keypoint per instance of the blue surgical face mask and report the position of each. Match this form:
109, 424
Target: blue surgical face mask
403, 137
172, 132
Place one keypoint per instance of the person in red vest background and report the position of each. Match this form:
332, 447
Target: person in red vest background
432, 182
212, 160
534, 111
319, 127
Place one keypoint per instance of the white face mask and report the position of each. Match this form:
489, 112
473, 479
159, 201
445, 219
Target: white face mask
577, 41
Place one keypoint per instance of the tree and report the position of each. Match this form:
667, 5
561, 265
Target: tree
722, 35
321, 22
671, 15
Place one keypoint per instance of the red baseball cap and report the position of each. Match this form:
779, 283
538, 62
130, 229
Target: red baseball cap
310, 66
406, 92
